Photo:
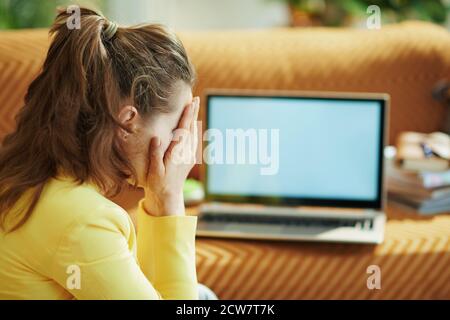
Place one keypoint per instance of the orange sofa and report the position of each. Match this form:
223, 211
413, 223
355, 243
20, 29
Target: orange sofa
404, 60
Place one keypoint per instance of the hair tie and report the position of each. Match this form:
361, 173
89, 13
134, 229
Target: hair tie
110, 30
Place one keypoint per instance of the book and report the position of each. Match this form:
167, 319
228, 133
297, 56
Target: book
426, 152
435, 179
419, 193
424, 192
422, 207
426, 179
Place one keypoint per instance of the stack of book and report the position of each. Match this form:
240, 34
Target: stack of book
419, 178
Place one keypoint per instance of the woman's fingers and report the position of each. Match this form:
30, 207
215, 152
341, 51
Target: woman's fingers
194, 125
156, 164
196, 108
176, 142
186, 117
184, 143
177, 133
180, 151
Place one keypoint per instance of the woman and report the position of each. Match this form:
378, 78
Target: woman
102, 113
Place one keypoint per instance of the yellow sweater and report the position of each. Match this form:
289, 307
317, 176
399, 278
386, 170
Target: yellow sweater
78, 244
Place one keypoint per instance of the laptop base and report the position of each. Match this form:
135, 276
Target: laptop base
291, 224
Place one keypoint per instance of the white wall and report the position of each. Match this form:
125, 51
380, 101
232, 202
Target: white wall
200, 14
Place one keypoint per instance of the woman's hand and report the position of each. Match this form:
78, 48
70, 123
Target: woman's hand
168, 171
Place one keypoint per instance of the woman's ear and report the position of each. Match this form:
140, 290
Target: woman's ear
128, 117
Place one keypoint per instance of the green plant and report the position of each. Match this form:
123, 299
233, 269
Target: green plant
18, 14
336, 12
429, 10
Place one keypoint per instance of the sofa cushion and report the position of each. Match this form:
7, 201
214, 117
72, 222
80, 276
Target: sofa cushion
404, 60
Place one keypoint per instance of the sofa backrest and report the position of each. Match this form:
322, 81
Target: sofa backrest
405, 60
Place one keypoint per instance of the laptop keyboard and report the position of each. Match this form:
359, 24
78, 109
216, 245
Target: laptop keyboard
300, 221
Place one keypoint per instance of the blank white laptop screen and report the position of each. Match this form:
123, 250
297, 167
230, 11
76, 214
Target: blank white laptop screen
307, 148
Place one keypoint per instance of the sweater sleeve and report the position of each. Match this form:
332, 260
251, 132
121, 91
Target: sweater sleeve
96, 260
166, 253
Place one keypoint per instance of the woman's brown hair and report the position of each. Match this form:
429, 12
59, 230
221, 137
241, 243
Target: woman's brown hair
68, 122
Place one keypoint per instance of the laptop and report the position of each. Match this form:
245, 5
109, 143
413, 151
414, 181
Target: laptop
296, 166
